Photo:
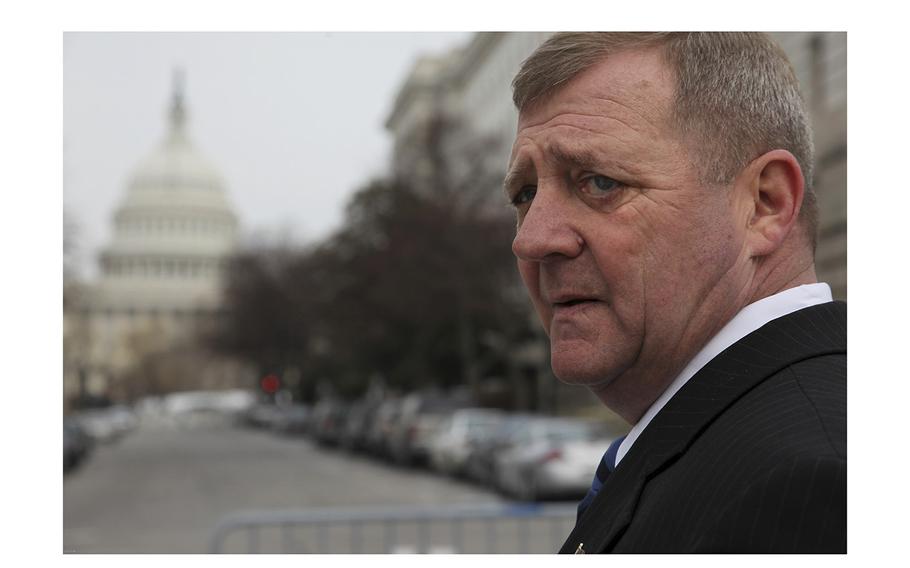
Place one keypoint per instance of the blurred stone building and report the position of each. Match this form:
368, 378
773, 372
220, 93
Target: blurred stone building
134, 330
471, 86
820, 60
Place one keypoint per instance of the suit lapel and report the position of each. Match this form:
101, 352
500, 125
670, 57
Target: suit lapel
811, 332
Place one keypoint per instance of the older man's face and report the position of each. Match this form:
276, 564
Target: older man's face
624, 253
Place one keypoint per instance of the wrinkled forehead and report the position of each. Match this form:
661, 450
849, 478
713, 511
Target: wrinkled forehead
606, 121
626, 85
630, 92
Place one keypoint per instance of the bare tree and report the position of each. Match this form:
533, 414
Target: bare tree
417, 287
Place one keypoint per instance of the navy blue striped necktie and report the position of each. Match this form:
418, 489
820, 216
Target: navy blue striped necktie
604, 469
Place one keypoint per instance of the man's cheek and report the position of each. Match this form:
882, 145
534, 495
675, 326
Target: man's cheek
530, 276
545, 315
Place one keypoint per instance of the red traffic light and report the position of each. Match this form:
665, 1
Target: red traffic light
270, 384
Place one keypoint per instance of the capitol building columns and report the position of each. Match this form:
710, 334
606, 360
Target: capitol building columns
160, 277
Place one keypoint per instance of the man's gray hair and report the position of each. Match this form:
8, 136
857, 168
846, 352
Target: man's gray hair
737, 96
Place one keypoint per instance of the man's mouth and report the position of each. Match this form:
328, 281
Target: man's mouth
572, 305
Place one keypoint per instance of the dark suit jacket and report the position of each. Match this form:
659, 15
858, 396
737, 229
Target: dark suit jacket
749, 456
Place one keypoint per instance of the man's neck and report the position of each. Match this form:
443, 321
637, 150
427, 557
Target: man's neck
782, 278
631, 394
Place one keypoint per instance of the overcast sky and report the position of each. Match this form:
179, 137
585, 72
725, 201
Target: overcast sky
294, 121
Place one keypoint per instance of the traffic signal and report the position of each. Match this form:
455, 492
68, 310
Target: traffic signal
270, 384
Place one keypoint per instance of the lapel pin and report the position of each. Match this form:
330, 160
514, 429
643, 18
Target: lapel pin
580, 549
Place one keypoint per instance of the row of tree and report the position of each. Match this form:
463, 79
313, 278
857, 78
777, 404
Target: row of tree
417, 288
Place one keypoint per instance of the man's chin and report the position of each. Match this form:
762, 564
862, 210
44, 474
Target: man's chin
580, 372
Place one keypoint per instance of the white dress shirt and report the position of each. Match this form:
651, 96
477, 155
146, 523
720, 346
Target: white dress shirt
745, 322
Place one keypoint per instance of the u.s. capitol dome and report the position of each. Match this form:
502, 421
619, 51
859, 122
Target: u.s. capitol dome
172, 232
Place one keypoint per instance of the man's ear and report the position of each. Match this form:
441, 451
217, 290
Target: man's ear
771, 189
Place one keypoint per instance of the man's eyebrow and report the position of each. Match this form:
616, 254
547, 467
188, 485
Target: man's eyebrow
514, 175
580, 157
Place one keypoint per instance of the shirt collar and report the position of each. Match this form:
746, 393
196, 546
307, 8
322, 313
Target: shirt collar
743, 323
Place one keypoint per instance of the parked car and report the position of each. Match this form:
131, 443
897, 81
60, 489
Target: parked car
107, 424
550, 458
328, 421
450, 448
77, 444
357, 425
383, 422
419, 419
292, 419
262, 415
487, 443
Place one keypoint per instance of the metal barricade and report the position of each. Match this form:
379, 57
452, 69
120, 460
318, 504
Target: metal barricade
442, 529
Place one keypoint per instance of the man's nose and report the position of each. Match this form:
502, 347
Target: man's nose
547, 231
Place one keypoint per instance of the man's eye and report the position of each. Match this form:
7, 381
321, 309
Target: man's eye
524, 195
599, 186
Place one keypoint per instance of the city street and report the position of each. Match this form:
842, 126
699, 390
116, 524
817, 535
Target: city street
163, 488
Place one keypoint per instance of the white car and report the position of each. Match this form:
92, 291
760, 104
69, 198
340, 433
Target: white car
551, 458
107, 424
450, 449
